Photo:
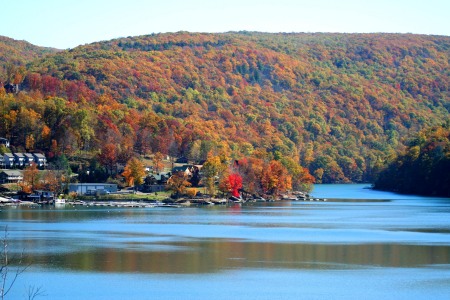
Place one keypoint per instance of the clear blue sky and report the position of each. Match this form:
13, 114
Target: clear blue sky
68, 23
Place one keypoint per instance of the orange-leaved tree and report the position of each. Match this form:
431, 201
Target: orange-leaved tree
177, 183
158, 164
134, 172
275, 178
30, 178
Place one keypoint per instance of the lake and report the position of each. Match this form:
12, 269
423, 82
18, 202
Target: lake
359, 243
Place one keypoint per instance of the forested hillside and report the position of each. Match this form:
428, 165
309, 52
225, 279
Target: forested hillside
338, 104
14, 55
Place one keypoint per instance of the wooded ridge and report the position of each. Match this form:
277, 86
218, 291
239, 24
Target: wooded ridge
338, 104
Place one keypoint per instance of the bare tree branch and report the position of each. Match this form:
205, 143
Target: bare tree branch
9, 275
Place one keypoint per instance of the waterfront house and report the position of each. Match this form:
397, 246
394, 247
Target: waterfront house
11, 176
39, 195
92, 188
8, 160
40, 160
4, 142
19, 160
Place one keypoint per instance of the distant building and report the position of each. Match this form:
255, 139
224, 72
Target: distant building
39, 195
186, 169
5, 142
19, 160
8, 160
11, 176
2, 162
40, 160
92, 188
161, 178
29, 158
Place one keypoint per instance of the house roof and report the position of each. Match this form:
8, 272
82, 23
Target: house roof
181, 168
10, 155
29, 155
19, 154
38, 155
159, 175
12, 173
181, 160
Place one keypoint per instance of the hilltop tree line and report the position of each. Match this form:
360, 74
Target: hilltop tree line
337, 105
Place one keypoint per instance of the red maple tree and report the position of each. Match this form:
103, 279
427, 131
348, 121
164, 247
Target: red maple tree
235, 184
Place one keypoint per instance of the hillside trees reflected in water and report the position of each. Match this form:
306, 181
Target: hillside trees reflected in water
208, 256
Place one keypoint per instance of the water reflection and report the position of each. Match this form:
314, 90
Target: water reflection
351, 232
215, 255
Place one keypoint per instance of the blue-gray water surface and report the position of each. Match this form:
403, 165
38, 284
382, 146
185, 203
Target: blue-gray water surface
359, 243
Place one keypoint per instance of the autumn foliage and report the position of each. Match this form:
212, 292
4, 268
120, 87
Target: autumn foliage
178, 184
134, 172
332, 106
423, 168
232, 183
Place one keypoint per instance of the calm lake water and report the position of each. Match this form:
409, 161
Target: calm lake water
360, 243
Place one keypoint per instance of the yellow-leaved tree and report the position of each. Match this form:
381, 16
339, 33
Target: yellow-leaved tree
134, 172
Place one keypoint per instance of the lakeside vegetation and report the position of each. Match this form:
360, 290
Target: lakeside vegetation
423, 168
334, 106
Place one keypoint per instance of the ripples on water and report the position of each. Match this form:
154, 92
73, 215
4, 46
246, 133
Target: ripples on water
360, 243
